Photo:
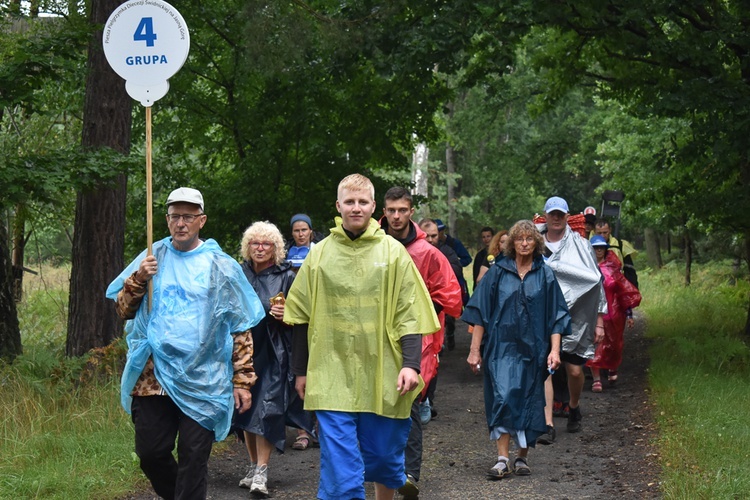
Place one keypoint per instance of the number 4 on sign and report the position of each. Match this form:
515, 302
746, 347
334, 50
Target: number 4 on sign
145, 32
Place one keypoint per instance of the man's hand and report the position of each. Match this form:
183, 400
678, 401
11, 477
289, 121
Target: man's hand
147, 269
243, 400
630, 322
408, 380
300, 384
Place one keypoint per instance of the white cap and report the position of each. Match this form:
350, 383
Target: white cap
187, 195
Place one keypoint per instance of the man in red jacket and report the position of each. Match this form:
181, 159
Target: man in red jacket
445, 293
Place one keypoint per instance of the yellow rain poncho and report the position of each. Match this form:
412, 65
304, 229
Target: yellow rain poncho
359, 297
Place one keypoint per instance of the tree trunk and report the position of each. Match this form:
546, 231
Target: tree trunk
747, 260
420, 173
19, 245
653, 248
688, 242
450, 163
10, 332
99, 234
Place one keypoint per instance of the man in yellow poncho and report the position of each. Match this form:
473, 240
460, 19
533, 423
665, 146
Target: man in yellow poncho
359, 307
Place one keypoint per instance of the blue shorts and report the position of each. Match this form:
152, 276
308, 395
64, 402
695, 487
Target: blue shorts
359, 447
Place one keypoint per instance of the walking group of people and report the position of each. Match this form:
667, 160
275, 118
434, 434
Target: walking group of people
548, 303
340, 338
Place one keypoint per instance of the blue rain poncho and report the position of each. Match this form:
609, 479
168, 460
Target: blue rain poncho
200, 299
518, 318
359, 297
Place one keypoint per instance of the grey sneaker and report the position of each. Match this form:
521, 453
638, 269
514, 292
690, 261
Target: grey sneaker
246, 481
409, 490
259, 487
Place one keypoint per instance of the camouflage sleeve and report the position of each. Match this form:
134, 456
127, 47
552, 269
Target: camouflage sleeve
130, 297
242, 361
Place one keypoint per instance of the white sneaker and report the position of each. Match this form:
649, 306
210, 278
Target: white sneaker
246, 481
260, 481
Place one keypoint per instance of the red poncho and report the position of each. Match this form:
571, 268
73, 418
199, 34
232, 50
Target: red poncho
621, 296
444, 289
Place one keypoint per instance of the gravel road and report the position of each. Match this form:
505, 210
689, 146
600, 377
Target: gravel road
614, 456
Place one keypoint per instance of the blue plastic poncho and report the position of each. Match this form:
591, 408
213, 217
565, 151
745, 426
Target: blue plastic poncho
359, 297
200, 299
518, 318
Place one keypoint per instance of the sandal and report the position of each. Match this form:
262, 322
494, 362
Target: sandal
500, 470
596, 386
521, 467
612, 377
302, 442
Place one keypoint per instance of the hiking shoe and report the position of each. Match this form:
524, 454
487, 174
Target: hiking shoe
259, 487
500, 470
246, 481
409, 490
557, 409
425, 411
548, 437
521, 467
574, 419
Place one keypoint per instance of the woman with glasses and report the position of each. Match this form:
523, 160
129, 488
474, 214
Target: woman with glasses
519, 313
275, 401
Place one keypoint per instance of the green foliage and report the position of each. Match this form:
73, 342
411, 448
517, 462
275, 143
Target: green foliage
699, 376
54, 424
683, 62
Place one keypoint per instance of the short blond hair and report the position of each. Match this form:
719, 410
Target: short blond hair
356, 182
264, 231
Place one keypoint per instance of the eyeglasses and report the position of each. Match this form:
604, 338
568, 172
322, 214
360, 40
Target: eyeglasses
258, 244
188, 218
527, 239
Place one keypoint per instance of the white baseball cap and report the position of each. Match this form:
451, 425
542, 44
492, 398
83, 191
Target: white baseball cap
187, 195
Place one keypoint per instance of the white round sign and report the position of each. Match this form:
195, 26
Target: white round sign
146, 42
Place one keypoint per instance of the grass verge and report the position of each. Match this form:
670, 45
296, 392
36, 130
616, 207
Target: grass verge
700, 378
60, 437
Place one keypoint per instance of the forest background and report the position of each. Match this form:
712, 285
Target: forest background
515, 101
278, 100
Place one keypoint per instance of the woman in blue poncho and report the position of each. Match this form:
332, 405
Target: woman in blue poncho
519, 313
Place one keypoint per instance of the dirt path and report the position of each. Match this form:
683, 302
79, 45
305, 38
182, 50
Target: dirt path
612, 457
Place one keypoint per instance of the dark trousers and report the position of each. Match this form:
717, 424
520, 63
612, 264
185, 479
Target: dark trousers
431, 390
413, 452
158, 422
560, 385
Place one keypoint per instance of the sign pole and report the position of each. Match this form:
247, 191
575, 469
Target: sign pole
149, 203
146, 43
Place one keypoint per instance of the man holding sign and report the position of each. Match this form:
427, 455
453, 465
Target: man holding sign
190, 353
